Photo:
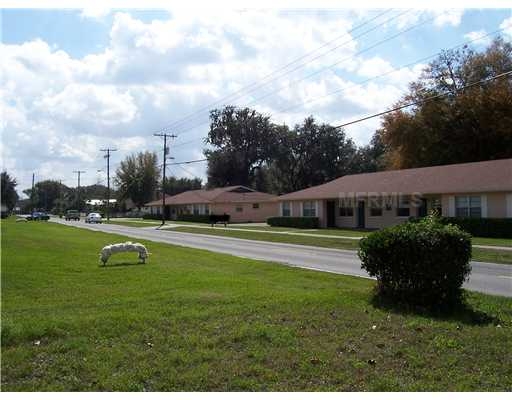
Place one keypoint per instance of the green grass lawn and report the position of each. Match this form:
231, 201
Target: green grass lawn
137, 224
326, 231
492, 241
323, 231
195, 320
488, 255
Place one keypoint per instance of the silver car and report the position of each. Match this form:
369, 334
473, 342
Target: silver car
93, 218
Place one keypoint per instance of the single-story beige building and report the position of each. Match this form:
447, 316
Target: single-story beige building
241, 203
375, 200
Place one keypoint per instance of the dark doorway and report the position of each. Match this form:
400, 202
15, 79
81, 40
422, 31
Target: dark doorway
422, 209
360, 214
331, 214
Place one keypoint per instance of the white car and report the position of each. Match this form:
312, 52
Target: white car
93, 217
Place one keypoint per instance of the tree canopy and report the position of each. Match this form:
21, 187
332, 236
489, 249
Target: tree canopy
137, 178
8, 187
466, 125
309, 155
175, 185
242, 140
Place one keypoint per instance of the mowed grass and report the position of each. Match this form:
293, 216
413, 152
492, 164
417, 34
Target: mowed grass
337, 243
195, 320
355, 233
487, 255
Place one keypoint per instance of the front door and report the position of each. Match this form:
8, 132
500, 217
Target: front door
422, 210
331, 214
360, 214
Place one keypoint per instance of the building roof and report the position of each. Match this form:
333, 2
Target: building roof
230, 194
484, 176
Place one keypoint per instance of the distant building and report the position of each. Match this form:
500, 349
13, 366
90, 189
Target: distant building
379, 199
241, 203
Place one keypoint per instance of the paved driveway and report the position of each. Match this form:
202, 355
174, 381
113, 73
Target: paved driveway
485, 277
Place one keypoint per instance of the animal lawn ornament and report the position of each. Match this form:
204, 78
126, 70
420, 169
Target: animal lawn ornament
107, 251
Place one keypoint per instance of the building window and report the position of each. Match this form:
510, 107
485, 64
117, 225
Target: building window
309, 209
436, 205
346, 211
207, 209
404, 206
239, 209
468, 206
256, 205
286, 209
196, 209
375, 212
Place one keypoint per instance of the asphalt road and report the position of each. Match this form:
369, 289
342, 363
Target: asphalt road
485, 277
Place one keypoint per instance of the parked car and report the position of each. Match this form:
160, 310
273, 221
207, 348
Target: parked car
93, 218
38, 216
72, 215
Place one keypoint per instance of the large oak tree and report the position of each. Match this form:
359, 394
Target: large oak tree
468, 124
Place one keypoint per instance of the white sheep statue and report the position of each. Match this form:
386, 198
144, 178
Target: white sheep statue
107, 251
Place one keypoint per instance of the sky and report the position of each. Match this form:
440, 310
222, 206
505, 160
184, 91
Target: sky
75, 81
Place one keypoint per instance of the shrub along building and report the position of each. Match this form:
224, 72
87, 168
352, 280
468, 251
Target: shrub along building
379, 199
241, 203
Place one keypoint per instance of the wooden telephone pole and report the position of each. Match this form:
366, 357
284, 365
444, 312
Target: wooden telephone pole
107, 156
166, 151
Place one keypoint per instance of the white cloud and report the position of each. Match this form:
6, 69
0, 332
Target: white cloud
477, 37
95, 12
86, 103
506, 25
59, 110
451, 17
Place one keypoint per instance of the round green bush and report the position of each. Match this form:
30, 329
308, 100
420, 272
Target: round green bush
422, 263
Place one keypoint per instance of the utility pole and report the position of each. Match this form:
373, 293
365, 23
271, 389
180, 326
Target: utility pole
78, 188
32, 192
61, 201
166, 150
107, 156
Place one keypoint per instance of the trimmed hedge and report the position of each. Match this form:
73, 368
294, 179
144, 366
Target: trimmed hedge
423, 263
483, 227
294, 222
194, 218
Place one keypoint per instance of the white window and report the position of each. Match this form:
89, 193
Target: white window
286, 209
196, 209
309, 209
207, 209
239, 209
468, 206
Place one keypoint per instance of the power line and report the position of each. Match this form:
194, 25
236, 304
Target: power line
482, 81
189, 162
257, 84
289, 84
188, 171
422, 101
108, 150
338, 91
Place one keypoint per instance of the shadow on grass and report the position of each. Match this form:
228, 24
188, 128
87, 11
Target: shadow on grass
461, 312
122, 264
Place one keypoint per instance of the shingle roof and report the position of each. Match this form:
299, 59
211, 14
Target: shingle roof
484, 176
230, 194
